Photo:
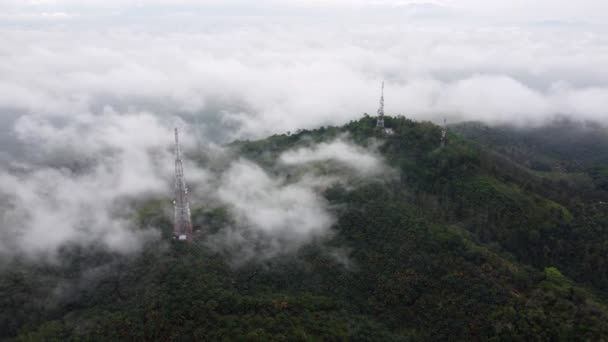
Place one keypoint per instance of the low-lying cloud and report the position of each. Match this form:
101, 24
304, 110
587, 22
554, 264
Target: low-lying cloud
276, 212
75, 182
356, 158
272, 217
80, 183
88, 101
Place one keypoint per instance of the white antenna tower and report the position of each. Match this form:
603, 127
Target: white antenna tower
380, 122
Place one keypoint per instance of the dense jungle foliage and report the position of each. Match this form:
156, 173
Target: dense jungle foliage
480, 240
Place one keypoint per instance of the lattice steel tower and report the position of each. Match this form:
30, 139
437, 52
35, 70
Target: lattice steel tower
444, 133
182, 226
380, 122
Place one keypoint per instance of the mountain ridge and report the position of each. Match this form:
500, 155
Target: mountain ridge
468, 243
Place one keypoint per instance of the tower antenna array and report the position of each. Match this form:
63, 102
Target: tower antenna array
182, 226
380, 122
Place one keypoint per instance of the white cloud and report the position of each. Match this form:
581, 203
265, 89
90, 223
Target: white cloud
263, 78
354, 157
275, 215
100, 164
272, 217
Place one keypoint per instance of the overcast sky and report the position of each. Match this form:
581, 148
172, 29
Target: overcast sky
561, 10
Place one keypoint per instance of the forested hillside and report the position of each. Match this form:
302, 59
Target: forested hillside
562, 145
492, 237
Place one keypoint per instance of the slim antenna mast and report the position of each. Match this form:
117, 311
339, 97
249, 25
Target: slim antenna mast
177, 149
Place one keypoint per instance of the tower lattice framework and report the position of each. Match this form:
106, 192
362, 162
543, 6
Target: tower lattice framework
444, 133
182, 228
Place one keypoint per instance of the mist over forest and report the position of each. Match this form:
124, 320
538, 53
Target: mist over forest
297, 199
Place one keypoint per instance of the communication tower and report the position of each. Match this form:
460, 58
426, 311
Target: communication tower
380, 121
182, 225
444, 133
